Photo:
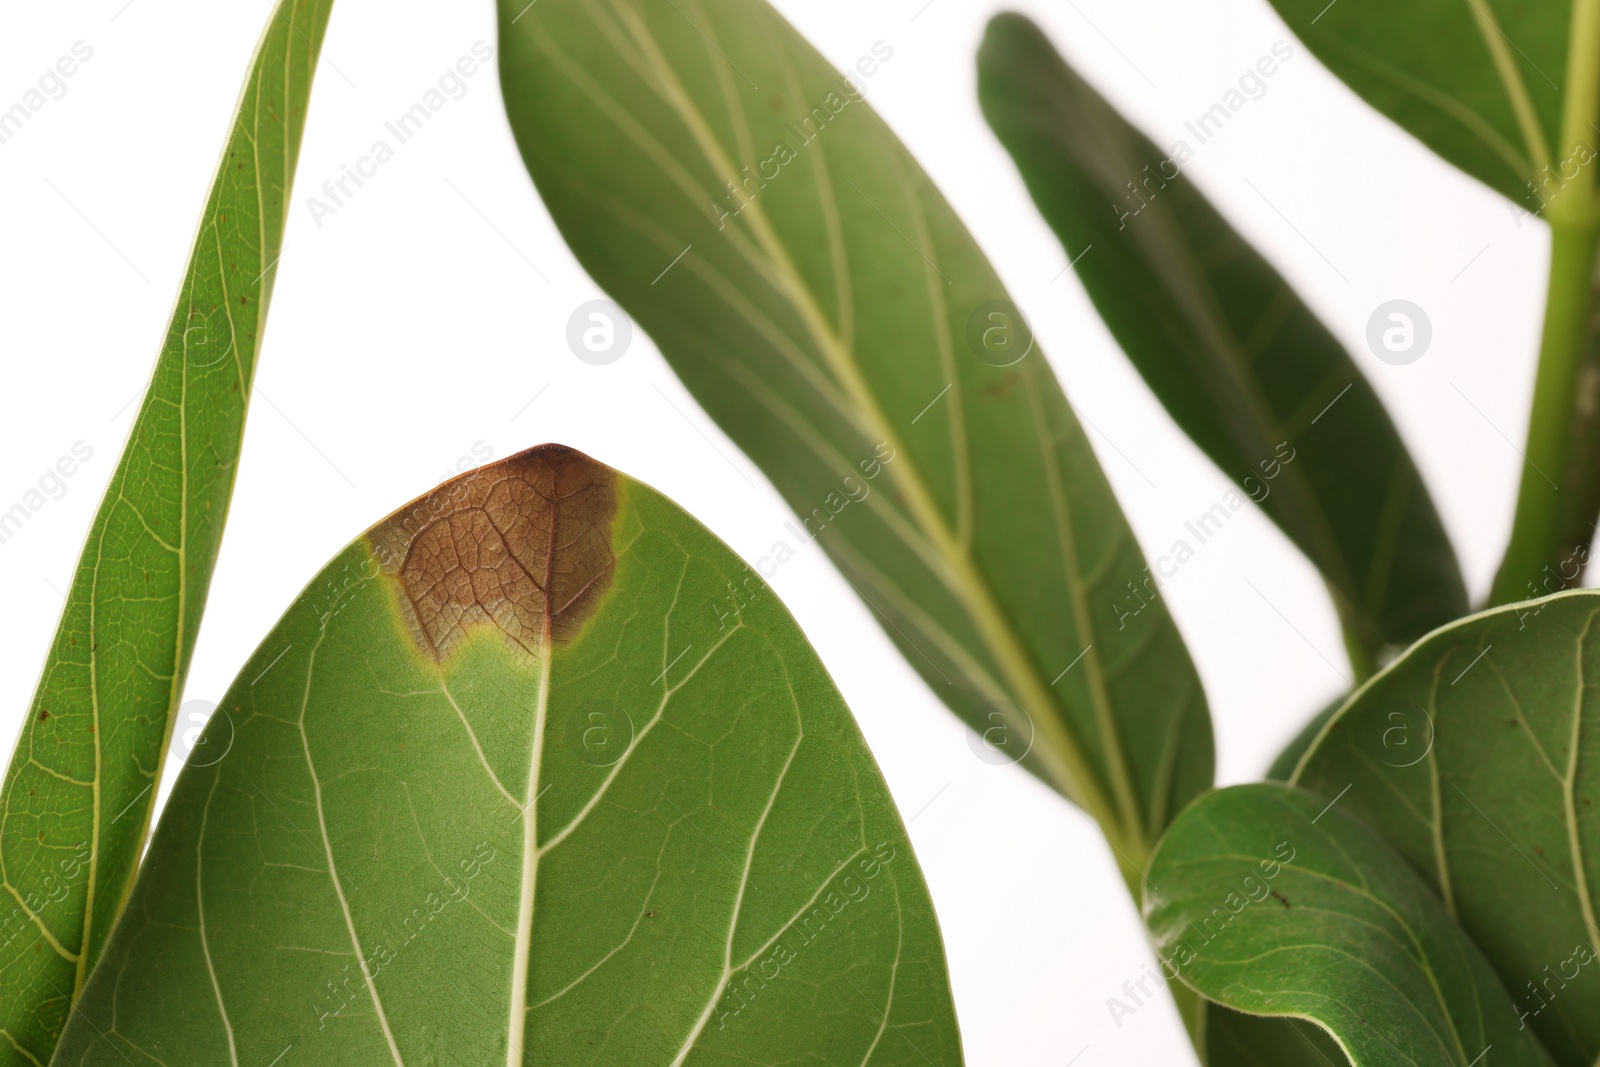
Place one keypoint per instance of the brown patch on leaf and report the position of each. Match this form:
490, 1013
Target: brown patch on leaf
522, 545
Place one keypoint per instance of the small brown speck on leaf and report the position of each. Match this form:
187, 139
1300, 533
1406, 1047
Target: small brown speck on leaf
44, 713
522, 545
1281, 898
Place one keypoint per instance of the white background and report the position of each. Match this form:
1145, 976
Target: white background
407, 329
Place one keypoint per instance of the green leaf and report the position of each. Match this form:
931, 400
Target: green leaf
1242, 364
501, 787
1273, 901
76, 804
824, 304
1474, 755
1478, 82
1234, 1039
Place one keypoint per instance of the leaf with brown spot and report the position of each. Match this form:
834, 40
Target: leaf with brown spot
522, 546
841, 325
473, 774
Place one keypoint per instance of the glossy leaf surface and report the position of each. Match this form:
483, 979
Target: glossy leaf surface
822, 302
1273, 901
1243, 365
1474, 754
78, 794
502, 788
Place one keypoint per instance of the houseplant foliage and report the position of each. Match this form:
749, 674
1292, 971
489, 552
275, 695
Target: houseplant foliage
450, 771
1510, 93
79, 792
833, 309
491, 791
1237, 357
499, 790
1232, 351
1403, 798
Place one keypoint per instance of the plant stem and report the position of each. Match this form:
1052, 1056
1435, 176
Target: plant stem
1538, 530
1363, 661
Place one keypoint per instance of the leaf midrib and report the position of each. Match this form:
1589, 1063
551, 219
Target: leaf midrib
1511, 81
522, 952
1075, 776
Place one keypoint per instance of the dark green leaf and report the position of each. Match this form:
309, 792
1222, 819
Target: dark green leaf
1234, 1039
827, 308
78, 794
1478, 82
1238, 359
502, 789
1474, 754
1272, 901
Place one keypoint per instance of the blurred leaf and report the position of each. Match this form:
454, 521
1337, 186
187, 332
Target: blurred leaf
1234, 1039
1282, 768
1473, 754
1238, 359
1477, 82
824, 304
500, 789
1273, 901
78, 794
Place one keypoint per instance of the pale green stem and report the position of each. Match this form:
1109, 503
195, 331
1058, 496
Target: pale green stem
1363, 661
1537, 531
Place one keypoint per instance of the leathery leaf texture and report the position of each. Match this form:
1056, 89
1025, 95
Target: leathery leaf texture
504, 786
823, 303
1274, 901
75, 809
1474, 754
